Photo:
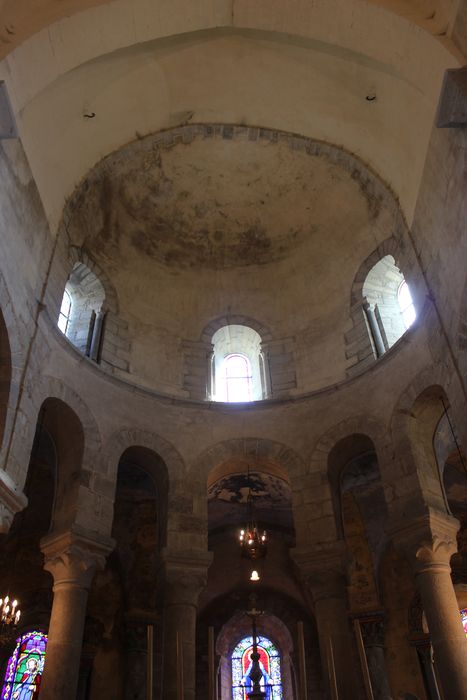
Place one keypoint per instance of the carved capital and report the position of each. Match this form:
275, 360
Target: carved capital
185, 576
428, 542
12, 501
73, 558
324, 570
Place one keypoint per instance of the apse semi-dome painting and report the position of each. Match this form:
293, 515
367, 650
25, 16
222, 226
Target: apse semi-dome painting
219, 197
227, 500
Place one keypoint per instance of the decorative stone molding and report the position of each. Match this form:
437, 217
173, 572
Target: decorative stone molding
73, 557
12, 501
428, 541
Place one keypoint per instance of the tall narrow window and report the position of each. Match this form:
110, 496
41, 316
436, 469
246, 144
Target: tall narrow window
65, 312
406, 305
238, 378
25, 667
270, 665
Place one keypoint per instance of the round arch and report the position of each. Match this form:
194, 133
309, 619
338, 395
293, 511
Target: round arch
172, 481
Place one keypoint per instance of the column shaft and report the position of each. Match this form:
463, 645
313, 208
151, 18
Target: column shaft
336, 644
179, 625
429, 542
447, 635
63, 655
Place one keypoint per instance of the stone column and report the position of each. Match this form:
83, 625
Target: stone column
374, 327
72, 559
372, 628
93, 632
185, 578
429, 542
324, 573
136, 650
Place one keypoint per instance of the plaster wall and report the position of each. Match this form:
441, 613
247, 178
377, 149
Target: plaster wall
208, 63
439, 233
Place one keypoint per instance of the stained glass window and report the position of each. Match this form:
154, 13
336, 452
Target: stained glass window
270, 664
24, 669
464, 619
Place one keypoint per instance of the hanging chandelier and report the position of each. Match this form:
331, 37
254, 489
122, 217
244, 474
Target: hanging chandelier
253, 544
9, 618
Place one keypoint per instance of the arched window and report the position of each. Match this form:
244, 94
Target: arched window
406, 305
25, 667
388, 304
81, 318
238, 378
65, 312
238, 366
270, 665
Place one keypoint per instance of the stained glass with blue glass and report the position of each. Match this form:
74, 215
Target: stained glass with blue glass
464, 619
270, 665
25, 667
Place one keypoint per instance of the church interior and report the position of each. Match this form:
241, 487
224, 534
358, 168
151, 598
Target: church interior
233, 350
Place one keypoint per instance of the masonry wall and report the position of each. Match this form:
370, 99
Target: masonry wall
439, 233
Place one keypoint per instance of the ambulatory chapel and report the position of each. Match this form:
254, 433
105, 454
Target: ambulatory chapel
233, 349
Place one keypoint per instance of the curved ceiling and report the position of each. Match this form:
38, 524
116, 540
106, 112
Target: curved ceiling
23, 18
205, 220
216, 197
141, 67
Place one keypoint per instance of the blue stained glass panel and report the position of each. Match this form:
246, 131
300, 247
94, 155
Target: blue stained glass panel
271, 682
464, 619
24, 668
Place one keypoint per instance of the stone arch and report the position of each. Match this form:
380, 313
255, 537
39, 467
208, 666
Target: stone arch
364, 430
121, 440
249, 448
360, 347
235, 320
174, 498
37, 391
413, 426
51, 387
106, 338
65, 429
277, 359
78, 255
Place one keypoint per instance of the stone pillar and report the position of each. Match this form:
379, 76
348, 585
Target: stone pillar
96, 339
429, 542
72, 559
372, 628
136, 650
375, 330
324, 573
185, 578
93, 632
